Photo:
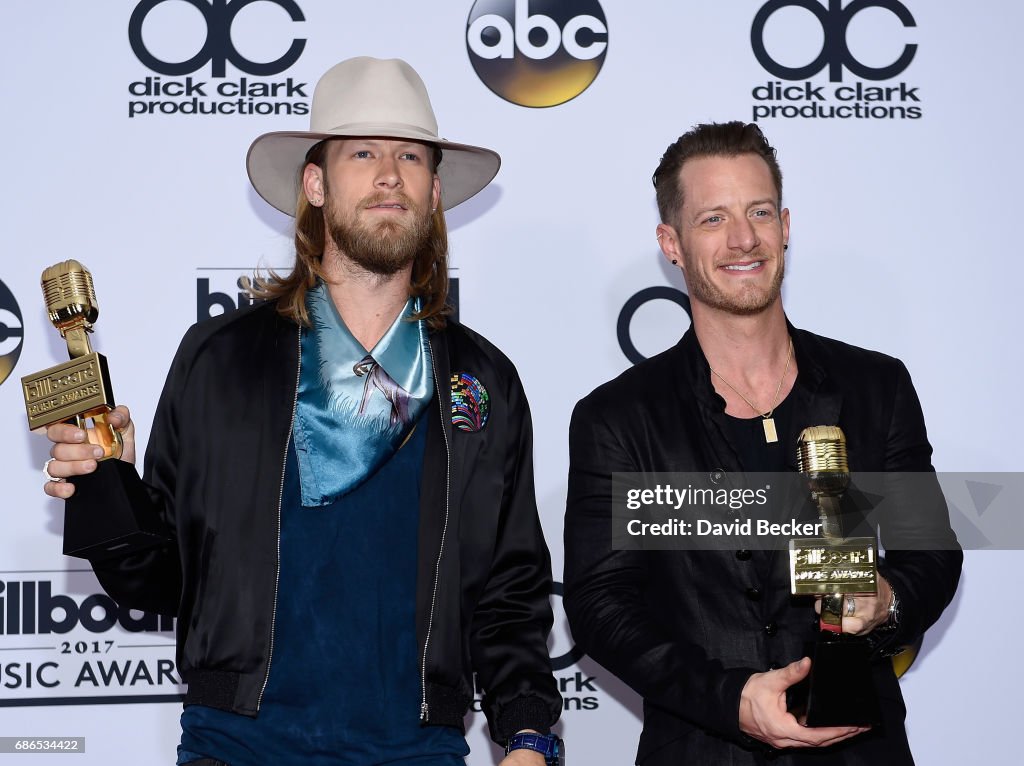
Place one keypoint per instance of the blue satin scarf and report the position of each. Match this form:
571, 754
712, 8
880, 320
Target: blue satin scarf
355, 409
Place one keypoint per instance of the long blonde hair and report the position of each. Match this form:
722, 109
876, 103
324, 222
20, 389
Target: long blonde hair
429, 279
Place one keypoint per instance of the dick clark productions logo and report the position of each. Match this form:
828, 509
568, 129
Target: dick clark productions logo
835, 53
844, 101
537, 53
191, 96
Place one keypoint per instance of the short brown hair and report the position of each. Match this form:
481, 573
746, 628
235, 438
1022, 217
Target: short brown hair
714, 139
429, 279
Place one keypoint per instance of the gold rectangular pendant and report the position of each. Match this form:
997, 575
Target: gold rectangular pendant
769, 430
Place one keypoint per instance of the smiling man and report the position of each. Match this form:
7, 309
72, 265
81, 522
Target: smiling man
712, 639
344, 474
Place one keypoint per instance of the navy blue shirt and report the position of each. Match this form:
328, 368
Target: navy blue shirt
345, 685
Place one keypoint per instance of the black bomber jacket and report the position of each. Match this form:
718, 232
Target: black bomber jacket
215, 468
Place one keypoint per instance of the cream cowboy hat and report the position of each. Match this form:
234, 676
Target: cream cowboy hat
366, 97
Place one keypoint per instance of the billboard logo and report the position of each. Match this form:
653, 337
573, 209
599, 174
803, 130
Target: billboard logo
211, 302
222, 293
218, 46
12, 332
63, 643
537, 53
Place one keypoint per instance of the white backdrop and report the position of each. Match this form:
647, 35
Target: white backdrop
903, 241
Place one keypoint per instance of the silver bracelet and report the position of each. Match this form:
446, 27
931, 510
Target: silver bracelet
894, 609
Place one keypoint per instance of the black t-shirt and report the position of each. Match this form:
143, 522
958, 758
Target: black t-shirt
746, 435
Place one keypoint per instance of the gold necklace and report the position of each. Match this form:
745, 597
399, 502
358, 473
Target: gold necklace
770, 435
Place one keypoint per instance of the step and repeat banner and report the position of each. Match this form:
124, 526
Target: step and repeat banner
123, 143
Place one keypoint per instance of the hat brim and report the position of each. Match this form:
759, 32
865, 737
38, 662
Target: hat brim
275, 160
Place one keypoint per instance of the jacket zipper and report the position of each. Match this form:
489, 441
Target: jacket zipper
280, 501
424, 709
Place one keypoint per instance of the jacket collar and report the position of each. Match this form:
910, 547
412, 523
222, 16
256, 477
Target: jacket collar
818, 399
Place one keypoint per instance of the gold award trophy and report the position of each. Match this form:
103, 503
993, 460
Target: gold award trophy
840, 689
99, 518
78, 390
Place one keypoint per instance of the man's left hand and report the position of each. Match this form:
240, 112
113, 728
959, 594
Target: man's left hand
869, 613
523, 757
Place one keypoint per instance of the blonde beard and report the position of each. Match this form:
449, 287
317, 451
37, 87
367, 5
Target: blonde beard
703, 290
385, 248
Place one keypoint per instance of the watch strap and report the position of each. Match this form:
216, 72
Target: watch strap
548, 745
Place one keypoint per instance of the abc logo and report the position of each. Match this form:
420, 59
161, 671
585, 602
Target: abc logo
11, 332
218, 47
537, 52
835, 53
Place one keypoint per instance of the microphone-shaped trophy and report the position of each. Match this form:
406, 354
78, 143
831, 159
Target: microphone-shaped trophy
79, 391
840, 689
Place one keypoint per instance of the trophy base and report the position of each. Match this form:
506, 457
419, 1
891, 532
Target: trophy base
102, 520
840, 689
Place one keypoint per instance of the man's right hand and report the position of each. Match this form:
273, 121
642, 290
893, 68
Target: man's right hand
763, 713
73, 455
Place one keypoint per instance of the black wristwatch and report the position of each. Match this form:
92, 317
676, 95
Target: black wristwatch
548, 745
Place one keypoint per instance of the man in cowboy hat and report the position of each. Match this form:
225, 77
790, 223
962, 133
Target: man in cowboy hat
344, 476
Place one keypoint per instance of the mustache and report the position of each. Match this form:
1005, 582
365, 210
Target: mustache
757, 255
379, 197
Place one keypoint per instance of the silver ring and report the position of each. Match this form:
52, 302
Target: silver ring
46, 471
851, 606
